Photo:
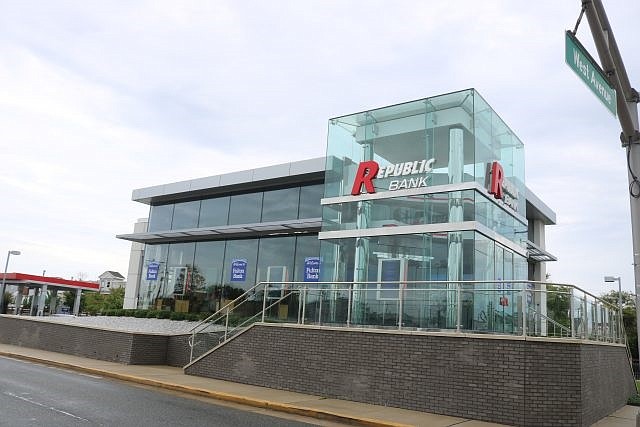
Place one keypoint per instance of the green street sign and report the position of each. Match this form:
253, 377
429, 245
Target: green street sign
579, 60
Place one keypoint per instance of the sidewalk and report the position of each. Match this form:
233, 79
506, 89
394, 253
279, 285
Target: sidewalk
277, 400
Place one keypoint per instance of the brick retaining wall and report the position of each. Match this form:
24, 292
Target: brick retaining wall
499, 379
95, 343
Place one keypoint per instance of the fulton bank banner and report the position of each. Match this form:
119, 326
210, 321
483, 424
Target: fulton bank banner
312, 269
152, 270
239, 270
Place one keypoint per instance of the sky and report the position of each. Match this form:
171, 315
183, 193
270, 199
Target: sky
99, 98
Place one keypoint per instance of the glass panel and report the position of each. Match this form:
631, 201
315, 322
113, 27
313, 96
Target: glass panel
207, 276
430, 140
245, 208
179, 269
411, 210
310, 196
160, 217
239, 271
185, 215
280, 205
214, 212
153, 274
275, 259
306, 247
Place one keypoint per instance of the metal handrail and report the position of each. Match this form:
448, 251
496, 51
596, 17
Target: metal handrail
599, 327
553, 322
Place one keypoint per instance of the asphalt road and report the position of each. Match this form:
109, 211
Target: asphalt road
38, 395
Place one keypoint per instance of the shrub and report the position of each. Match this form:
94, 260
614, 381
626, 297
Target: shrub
119, 312
130, 312
152, 314
176, 316
140, 313
164, 314
193, 317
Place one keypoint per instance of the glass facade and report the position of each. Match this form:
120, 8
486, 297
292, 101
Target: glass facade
430, 190
427, 191
263, 206
204, 276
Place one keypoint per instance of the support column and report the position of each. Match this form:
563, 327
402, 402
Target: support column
34, 302
76, 304
454, 268
18, 303
540, 275
42, 300
53, 301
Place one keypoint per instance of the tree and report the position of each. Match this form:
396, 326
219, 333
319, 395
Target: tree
7, 299
628, 317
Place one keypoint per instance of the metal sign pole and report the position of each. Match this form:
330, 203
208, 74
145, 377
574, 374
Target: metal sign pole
627, 114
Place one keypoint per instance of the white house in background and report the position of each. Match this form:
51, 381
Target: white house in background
111, 280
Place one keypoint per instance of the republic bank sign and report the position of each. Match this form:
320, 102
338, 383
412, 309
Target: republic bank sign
404, 175
415, 174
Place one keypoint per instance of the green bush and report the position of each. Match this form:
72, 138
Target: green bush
202, 316
140, 313
193, 317
152, 314
130, 312
119, 312
176, 316
164, 314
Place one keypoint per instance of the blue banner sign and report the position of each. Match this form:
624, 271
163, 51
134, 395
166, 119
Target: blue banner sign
239, 270
152, 270
312, 269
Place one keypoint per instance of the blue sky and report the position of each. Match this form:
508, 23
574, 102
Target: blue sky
100, 98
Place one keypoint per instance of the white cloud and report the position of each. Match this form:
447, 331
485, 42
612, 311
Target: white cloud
101, 98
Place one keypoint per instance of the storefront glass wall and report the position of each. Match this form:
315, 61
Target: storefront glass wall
204, 276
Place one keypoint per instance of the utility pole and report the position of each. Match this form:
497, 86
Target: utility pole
627, 100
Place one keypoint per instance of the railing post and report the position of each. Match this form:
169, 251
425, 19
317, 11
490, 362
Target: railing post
572, 317
400, 304
192, 344
226, 325
458, 308
585, 320
523, 297
264, 301
350, 300
304, 303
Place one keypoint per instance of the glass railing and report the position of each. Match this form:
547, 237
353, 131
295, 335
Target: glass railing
525, 308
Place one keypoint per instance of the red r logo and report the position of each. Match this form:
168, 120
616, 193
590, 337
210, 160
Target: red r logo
365, 174
497, 176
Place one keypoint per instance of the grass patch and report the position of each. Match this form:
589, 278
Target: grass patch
635, 400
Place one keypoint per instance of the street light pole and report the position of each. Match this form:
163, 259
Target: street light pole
4, 279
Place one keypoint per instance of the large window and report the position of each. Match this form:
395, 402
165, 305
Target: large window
280, 205
160, 217
214, 212
245, 208
239, 271
310, 197
185, 215
276, 257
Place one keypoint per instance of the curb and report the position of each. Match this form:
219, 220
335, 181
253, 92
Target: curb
227, 397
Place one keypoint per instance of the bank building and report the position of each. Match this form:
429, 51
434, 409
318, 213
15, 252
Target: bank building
414, 249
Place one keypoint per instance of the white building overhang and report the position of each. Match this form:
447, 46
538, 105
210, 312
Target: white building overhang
297, 226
